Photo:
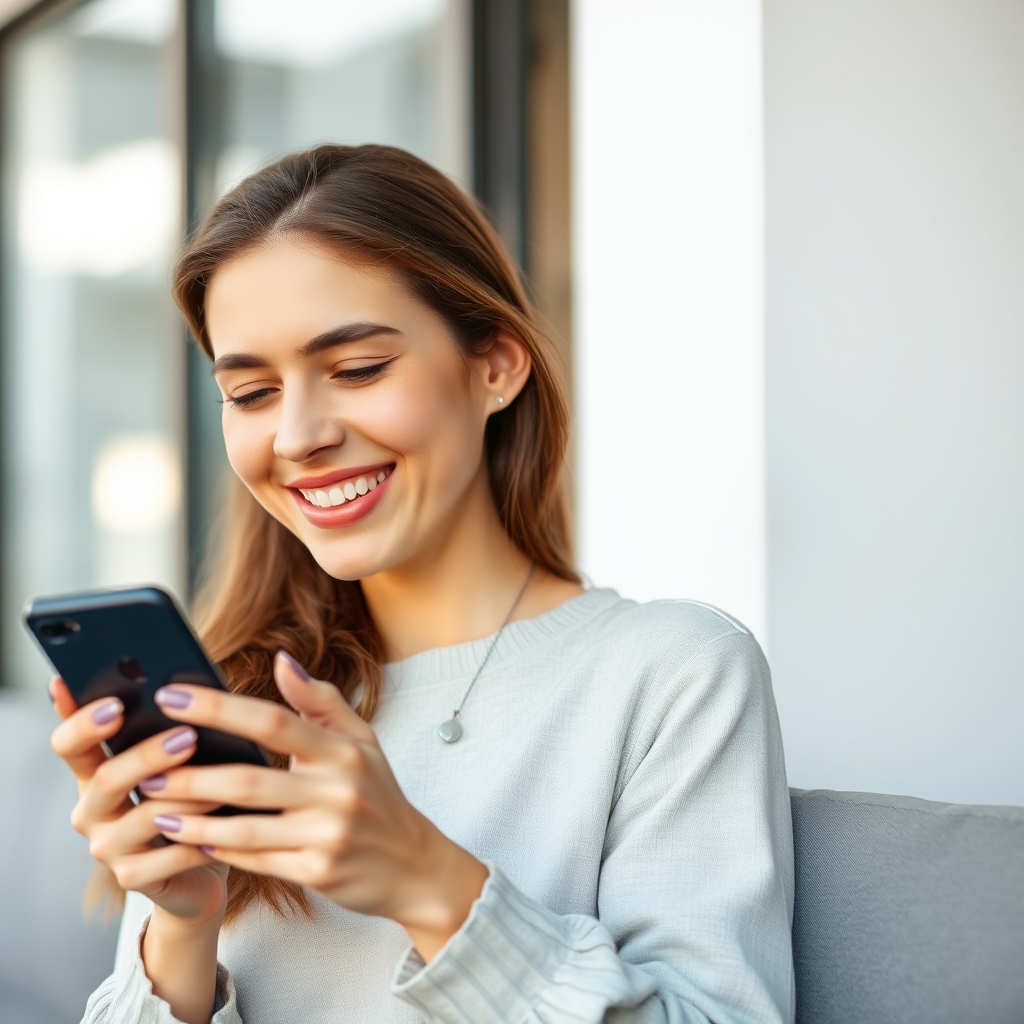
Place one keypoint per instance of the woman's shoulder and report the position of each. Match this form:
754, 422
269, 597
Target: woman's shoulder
679, 627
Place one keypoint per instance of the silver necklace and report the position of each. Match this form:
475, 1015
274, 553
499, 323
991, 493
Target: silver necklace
450, 729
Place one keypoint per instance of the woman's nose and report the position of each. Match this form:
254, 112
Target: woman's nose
305, 428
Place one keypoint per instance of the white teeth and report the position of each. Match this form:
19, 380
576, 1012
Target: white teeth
340, 493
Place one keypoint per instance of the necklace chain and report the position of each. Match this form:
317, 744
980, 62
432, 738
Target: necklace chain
451, 730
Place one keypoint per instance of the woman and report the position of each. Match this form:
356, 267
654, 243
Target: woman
506, 798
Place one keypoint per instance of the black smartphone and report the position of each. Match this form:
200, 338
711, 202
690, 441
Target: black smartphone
127, 643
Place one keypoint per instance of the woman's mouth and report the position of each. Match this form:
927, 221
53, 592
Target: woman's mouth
338, 499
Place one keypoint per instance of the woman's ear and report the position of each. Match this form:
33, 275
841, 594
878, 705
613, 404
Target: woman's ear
505, 369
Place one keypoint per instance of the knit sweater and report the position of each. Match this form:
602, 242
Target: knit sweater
621, 774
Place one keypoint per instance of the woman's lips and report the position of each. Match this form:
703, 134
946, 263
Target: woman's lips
351, 511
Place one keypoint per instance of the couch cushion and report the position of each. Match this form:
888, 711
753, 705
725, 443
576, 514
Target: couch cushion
907, 911
51, 958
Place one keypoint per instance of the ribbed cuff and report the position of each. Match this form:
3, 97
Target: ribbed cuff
513, 955
126, 997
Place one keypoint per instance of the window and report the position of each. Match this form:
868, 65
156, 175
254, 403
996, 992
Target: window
92, 352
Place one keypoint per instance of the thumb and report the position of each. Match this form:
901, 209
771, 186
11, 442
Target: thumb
317, 701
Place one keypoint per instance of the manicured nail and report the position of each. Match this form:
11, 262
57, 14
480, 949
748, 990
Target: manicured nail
298, 669
167, 822
208, 850
107, 712
153, 785
180, 740
168, 697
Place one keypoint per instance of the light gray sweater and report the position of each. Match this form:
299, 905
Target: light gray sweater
621, 772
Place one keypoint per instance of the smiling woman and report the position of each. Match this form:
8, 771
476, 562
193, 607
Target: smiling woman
500, 798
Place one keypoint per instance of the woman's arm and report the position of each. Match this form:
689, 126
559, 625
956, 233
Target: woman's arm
180, 958
696, 888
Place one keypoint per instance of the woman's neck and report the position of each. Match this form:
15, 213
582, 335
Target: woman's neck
463, 588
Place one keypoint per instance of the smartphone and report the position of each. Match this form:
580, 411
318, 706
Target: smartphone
127, 643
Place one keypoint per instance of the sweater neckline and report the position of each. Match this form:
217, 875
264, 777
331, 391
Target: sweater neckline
446, 663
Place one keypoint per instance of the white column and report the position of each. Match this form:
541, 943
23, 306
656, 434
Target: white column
669, 267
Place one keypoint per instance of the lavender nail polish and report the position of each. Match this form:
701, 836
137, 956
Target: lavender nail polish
179, 741
298, 669
167, 822
208, 850
168, 697
153, 785
107, 712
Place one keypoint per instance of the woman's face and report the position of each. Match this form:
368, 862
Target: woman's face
349, 412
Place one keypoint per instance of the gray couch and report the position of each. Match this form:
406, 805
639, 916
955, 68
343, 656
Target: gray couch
907, 911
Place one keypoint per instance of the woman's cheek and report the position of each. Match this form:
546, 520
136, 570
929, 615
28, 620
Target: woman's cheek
250, 450
408, 418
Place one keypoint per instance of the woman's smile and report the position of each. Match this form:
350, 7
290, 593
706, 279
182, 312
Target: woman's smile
340, 498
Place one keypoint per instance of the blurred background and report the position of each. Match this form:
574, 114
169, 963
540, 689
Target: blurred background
781, 245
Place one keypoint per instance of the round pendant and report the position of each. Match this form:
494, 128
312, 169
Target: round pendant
450, 731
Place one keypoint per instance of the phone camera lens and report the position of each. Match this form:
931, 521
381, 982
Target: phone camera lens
59, 629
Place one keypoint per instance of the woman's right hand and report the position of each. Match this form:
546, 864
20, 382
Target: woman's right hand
179, 879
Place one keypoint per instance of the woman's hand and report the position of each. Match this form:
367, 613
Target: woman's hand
124, 837
188, 888
345, 830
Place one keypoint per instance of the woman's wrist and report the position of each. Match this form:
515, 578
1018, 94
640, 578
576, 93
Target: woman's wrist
180, 958
441, 896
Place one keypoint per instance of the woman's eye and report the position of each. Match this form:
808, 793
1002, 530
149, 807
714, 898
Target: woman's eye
360, 373
244, 401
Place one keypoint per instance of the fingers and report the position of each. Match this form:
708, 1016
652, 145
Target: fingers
116, 777
134, 830
265, 722
63, 703
141, 870
252, 831
245, 786
307, 867
77, 739
317, 701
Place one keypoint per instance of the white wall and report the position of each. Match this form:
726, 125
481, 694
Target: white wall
667, 185
895, 366
886, 406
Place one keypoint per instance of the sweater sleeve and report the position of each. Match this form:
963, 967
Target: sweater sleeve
126, 997
696, 888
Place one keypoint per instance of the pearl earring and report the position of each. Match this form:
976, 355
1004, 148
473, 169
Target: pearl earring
500, 400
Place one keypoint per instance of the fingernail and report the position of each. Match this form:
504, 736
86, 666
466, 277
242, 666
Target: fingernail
299, 670
153, 785
168, 697
208, 850
167, 822
179, 741
49, 691
107, 712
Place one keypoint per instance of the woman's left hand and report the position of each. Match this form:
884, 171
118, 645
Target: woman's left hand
345, 829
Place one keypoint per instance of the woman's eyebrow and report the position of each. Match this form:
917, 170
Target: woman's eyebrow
335, 336
339, 335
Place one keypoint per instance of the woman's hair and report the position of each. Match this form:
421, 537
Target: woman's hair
381, 207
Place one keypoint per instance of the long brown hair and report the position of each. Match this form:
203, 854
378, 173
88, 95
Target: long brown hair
378, 206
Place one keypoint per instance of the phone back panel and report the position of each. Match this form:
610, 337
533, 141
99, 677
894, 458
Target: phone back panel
127, 644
